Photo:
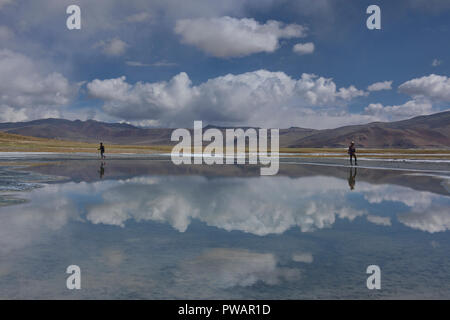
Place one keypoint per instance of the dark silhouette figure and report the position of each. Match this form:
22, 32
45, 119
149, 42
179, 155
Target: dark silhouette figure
352, 153
102, 170
352, 179
102, 151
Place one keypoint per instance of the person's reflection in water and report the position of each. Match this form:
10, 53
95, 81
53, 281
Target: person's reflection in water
102, 170
352, 178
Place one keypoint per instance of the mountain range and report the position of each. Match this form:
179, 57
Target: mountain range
429, 131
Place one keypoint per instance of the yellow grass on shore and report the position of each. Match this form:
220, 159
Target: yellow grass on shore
18, 143
369, 153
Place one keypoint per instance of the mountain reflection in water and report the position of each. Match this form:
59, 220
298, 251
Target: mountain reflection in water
154, 230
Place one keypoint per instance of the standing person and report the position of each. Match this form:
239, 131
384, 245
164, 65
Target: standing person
352, 153
102, 150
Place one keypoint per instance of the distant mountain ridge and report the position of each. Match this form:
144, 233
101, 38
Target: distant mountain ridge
430, 131
88, 131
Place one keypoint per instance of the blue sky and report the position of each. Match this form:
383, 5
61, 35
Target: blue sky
168, 63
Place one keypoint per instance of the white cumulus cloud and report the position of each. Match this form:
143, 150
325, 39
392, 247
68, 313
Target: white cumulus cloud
113, 47
378, 86
230, 37
409, 109
382, 221
27, 91
304, 48
243, 98
434, 87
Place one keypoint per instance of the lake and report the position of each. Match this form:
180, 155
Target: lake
143, 228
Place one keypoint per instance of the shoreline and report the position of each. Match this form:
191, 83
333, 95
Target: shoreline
29, 159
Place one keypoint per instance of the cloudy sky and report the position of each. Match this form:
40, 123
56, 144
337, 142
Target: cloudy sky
270, 63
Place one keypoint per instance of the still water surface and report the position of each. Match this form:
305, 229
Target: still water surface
148, 229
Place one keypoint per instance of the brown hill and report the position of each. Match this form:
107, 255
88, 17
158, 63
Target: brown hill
431, 131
